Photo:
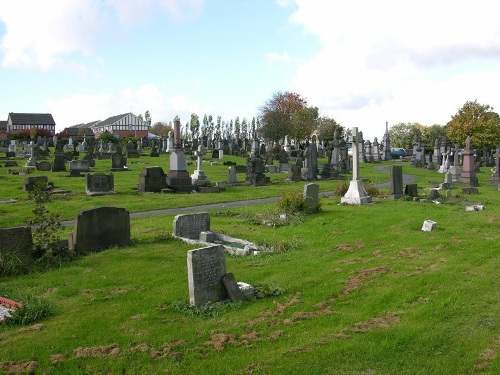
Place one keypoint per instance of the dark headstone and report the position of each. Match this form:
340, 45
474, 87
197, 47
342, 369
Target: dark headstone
100, 228
152, 180
396, 182
43, 166
99, 184
311, 194
470, 190
59, 163
16, 242
30, 182
411, 190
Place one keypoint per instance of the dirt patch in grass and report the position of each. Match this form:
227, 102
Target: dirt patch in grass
344, 247
19, 367
487, 356
97, 351
274, 335
377, 322
220, 340
35, 327
494, 219
410, 252
255, 368
56, 358
279, 310
357, 281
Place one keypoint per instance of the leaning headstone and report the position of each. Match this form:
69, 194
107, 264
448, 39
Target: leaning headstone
99, 184
206, 267
311, 192
233, 290
100, 228
17, 242
191, 225
396, 182
428, 225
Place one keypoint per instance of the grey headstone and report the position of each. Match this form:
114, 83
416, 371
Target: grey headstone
428, 225
311, 192
232, 288
99, 184
206, 267
100, 228
191, 225
152, 180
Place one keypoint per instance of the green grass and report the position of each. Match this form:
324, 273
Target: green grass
365, 291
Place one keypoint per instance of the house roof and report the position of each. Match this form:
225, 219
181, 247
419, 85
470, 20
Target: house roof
112, 119
31, 118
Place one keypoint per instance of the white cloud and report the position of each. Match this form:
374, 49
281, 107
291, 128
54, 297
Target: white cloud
56, 33
83, 108
274, 57
391, 60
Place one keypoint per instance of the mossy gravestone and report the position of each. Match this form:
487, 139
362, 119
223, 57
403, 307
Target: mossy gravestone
206, 268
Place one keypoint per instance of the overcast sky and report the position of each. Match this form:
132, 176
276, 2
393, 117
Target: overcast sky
361, 62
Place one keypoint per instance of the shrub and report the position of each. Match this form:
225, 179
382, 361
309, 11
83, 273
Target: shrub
372, 190
33, 310
341, 188
47, 247
292, 203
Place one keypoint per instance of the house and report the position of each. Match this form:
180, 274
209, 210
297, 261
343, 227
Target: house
3, 130
19, 122
79, 131
122, 126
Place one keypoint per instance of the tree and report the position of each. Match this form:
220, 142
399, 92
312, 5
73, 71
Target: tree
304, 123
147, 118
403, 134
194, 125
433, 132
237, 128
244, 129
276, 114
161, 129
326, 128
107, 137
477, 121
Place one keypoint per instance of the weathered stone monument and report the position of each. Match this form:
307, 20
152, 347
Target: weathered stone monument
100, 228
255, 172
17, 242
206, 268
396, 182
468, 175
386, 142
495, 175
311, 197
356, 194
199, 177
99, 184
152, 180
178, 178
191, 225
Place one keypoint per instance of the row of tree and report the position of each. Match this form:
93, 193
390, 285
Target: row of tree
287, 114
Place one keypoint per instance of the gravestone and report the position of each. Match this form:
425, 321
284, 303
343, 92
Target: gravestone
30, 182
255, 172
99, 184
100, 228
429, 225
231, 176
233, 290
206, 267
178, 178
311, 193
396, 182
191, 225
59, 163
43, 166
152, 180
16, 242
356, 194
468, 175
118, 162
80, 165
411, 190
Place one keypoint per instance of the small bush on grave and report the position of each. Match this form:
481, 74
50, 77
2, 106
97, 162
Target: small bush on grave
292, 203
47, 248
33, 309
372, 190
341, 188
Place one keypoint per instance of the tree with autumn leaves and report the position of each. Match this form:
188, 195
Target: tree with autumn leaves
477, 121
287, 114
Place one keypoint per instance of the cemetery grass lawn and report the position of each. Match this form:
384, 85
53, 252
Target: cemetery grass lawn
365, 291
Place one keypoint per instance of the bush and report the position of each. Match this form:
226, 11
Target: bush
47, 248
33, 310
292, 203
341, 188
